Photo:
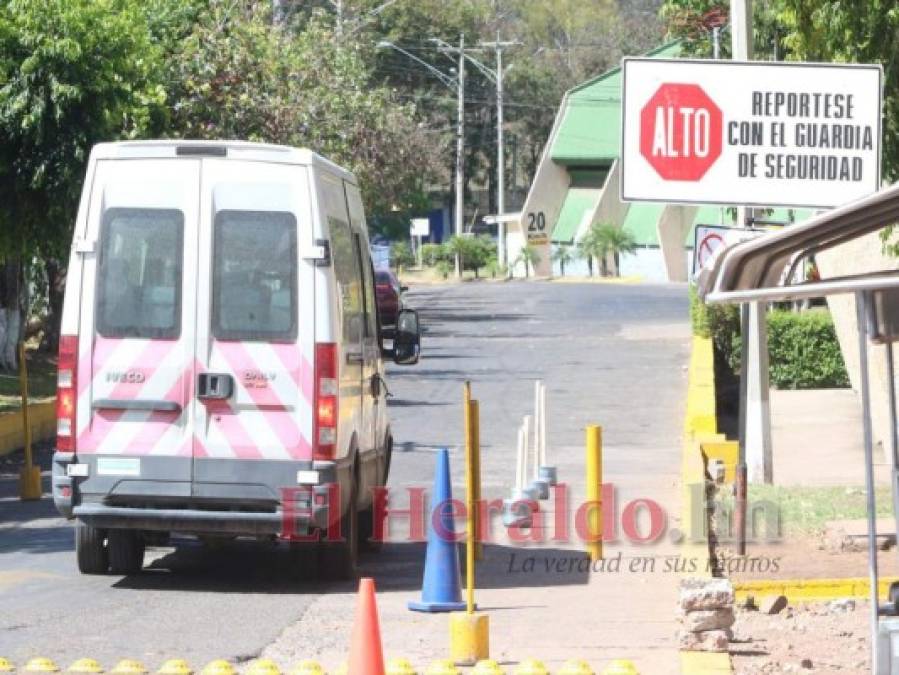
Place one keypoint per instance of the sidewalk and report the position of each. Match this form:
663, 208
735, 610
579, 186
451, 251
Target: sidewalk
535, 612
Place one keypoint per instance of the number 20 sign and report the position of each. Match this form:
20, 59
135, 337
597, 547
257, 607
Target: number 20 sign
536, 228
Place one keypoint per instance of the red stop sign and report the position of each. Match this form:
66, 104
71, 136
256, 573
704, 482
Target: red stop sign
680, 132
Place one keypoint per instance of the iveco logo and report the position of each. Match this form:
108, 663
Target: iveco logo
126, 376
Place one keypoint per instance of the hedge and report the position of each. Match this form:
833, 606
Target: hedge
803, 349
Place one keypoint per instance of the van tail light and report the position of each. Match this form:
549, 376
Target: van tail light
66, 393
325, 405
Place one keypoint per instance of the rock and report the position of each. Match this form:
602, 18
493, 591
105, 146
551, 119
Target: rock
706, 641
708, 619
773, 604
841, 606
706, 594
806, 663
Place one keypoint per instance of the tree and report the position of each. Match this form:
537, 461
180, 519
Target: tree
589, 248
527, 256
72, 74
401, 255
473, 252
563, 256
614, 241
237, 76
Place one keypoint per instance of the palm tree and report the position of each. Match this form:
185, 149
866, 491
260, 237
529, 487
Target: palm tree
527, 255
589, 247
563, 256
615, 241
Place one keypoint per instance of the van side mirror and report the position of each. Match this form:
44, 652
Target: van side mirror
407, 338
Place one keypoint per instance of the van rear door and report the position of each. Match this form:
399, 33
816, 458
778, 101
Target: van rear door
136, 337
254, 328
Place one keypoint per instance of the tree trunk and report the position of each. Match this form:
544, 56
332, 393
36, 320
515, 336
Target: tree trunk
12, 286
603, 266
590, 264
562, 268
56, 285
617, 264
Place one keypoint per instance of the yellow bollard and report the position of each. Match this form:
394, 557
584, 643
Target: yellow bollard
307, 667
40, 665
594, 491
620, 667
175, 667
218, 667
487, 667
400, 666
29, 475
85, 666
575, 667
6, 666
531, 667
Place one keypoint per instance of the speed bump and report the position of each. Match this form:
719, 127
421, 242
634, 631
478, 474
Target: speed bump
400, 666
531, 667
487, 667
621, 667
6, 665
263, 667
218, 667
307, 667
576, 667
40, 665
129, 667
175, 667
86, 666
442, 667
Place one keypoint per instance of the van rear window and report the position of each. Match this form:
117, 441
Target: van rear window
139, 273
255, 276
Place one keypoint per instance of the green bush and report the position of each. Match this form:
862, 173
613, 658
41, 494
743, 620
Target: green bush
802, 347
431, 254
804, 352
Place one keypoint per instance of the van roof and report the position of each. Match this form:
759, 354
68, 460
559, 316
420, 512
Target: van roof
245, 150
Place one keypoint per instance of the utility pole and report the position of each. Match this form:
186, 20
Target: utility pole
754, 461
500, 146
460, 150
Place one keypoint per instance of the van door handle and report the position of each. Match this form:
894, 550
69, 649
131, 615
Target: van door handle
215, 386
136, 404
355, 357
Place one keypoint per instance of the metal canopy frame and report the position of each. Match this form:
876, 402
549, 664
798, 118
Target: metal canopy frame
760, 269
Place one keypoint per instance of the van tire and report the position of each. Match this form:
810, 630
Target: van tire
91, 551
126, 551
339, 561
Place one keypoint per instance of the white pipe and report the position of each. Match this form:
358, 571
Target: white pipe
518, 458
527, 448
538, 425
542, 461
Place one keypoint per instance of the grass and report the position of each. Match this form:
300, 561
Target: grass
41, 382
805, 510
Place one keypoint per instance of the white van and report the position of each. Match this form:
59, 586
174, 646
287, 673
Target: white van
220, 365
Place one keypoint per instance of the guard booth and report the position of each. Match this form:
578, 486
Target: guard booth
761, 270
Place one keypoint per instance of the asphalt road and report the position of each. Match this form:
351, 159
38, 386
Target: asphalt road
609, 354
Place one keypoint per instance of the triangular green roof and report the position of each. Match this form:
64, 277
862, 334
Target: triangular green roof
590, 131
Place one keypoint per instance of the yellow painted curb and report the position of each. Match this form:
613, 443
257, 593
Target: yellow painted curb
632, 279
705, 663
805, 590
41, 418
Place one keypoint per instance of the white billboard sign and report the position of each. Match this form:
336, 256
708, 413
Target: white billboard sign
421, 227
753, 133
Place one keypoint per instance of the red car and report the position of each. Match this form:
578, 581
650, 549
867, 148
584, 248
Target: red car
389, 294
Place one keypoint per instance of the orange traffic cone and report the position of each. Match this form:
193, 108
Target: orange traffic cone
366, 655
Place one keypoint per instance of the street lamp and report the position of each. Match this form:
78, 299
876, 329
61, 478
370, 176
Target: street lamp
459, 84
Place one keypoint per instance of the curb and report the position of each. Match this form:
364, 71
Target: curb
41, 419
805, 590
700, 436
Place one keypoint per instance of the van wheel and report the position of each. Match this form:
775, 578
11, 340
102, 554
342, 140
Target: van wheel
90, 549
126, 551
339, 560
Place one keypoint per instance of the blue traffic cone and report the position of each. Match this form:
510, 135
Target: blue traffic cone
441, 590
